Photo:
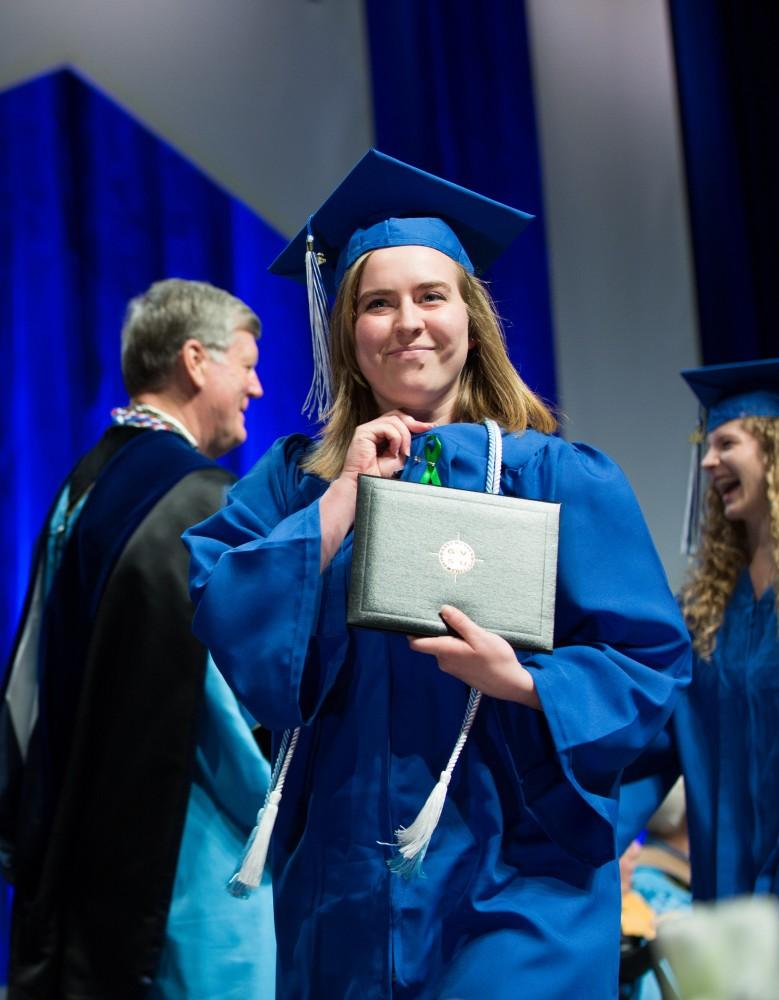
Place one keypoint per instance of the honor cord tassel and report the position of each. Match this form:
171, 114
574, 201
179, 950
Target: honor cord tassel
412, 841
249, 874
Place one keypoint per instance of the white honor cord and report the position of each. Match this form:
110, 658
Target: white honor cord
412, 842
249, 873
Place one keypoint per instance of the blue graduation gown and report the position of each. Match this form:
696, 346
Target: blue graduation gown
726, 734
521, 894
723, 739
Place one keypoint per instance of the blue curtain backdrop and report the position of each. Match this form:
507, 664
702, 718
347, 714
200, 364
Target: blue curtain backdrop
728, 83
93, 208
453, 94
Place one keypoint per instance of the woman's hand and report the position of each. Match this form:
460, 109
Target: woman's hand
378, 448
381, 447
479, 658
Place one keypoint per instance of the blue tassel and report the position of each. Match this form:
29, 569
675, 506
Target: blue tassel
319, 400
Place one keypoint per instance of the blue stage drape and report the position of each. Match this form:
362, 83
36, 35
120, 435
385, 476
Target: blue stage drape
452, 93
728, 84
93, 208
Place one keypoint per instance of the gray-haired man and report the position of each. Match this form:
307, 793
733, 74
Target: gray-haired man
129, 763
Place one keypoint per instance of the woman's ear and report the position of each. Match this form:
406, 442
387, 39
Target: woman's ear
473, 339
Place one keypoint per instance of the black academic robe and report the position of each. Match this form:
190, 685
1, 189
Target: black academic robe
91, 820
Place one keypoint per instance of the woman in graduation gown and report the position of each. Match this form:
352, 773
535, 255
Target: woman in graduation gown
520, 894
724, 732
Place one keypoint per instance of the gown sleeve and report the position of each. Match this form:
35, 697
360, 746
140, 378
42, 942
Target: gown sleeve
621, 653
257, 590
645, 783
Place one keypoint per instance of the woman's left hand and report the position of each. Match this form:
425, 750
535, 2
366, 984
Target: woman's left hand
479, 658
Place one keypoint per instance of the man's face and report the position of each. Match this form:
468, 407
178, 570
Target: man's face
231, 382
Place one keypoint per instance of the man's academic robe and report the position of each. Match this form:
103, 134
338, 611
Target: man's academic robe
91, 815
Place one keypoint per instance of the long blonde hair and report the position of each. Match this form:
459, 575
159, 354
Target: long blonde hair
490, 386
722, 553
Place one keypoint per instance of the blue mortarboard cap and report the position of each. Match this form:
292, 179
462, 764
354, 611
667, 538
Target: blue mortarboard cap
385, 202
729, 392
725, 392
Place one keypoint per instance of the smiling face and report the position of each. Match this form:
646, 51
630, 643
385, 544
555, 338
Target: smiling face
230, 383
411, 331
736, 466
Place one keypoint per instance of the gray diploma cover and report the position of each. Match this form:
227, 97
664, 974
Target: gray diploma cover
418, 547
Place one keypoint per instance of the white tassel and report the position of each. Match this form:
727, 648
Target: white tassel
692, 506
413, 841
249, 874
319, 399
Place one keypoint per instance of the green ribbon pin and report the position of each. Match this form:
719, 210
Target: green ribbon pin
432, 454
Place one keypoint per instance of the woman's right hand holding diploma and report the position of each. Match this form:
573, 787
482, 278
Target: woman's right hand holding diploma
379, 447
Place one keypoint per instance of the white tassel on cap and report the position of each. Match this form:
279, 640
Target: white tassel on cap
413, 841
319, 399
249, 874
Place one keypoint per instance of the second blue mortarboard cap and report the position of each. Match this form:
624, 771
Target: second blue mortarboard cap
725, 392
730, 392
385, 202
